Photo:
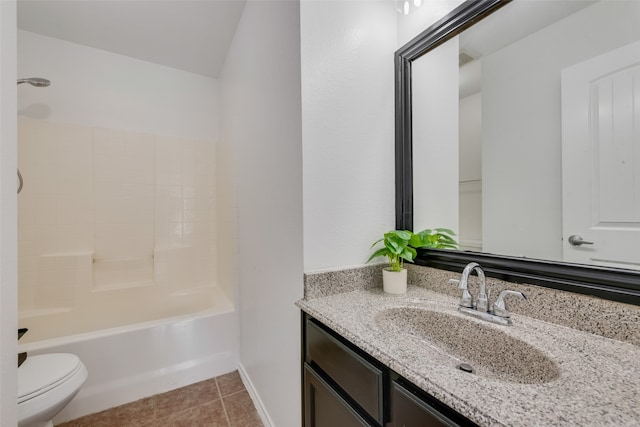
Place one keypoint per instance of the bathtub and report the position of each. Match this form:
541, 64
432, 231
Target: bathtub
128, 357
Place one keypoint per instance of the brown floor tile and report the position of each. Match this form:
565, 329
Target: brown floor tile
186, 398
230, 383
197, 405
206, 415
241, 411
135, 414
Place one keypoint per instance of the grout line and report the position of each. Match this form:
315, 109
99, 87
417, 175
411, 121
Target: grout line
224, 407
235, 392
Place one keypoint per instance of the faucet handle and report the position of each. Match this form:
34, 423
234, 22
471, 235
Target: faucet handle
500, 307
482, 301
466, 300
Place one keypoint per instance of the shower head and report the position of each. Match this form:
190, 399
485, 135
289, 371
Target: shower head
35, 81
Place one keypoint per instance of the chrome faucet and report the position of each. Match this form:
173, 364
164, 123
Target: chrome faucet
500, 307
498, 313
481, 303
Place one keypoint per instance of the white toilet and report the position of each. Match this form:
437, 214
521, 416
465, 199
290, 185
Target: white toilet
46, 384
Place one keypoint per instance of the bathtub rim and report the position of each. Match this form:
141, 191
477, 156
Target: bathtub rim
221, 307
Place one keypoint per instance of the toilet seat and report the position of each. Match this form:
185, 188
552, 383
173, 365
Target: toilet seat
41, 373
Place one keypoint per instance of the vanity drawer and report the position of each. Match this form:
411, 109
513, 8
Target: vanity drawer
357, 377
410, 411
412, 407
324, 407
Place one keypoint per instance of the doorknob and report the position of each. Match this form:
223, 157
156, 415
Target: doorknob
576, 240
20, 181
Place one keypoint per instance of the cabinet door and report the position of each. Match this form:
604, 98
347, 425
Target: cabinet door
323, 407
357, 377
410, 411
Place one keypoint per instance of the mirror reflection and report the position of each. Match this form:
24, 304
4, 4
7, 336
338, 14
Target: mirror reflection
544, 159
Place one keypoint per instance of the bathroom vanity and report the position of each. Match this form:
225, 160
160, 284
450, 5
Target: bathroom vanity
343, 386
371, 358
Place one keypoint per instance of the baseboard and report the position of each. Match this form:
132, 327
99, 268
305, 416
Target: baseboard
262, 412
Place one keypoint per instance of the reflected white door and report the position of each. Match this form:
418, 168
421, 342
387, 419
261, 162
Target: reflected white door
601, 159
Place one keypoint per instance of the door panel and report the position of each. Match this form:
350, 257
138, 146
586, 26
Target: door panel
601, 158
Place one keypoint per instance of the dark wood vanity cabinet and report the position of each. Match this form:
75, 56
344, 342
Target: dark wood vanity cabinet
323, 406
356, 380
411, 408
343, 386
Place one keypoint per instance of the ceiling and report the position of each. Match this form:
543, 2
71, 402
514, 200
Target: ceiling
514, 22
190, 35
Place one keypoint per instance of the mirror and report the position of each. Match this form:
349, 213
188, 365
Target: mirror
501, 139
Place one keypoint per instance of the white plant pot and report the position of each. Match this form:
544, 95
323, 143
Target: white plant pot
394, 282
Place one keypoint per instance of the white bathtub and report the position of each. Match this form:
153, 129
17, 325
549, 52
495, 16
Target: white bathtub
133, 361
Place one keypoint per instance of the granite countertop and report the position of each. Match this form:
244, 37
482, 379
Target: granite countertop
596, 383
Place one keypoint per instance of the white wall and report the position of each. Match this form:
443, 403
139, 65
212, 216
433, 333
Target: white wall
422, 17
435, 138
348, 129
261, 106
8, 216
521, 132
471, 137
98, 88
470, 237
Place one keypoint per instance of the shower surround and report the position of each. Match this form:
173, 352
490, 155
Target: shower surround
112, 218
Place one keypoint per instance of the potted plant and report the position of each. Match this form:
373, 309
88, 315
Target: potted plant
400, 246
437, 238
397, 249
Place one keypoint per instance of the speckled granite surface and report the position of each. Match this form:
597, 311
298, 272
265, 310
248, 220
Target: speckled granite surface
333, 282
586, 366
597, 382
590, 314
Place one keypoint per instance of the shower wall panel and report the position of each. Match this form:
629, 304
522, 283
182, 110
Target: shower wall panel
105, 209
123, 183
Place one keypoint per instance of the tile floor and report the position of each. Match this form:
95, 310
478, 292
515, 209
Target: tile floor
219, 402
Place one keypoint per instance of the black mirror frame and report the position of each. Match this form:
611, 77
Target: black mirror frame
609, 283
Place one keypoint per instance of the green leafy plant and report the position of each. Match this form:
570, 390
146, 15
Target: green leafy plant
437, 238
396, 248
